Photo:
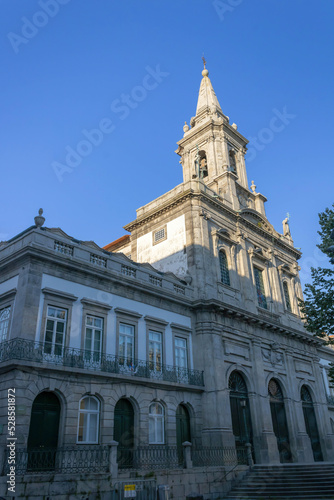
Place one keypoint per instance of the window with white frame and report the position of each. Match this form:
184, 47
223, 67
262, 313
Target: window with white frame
93, 338
156, 424
287, 296
180, 346
126, 347
55, 331
224, 272
4, 322
155, 350
261, 295
88, 420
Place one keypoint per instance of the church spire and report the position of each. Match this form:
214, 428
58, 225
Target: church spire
207, 99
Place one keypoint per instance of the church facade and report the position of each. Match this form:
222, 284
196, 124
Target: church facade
186, 330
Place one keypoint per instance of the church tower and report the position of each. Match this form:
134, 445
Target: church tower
240, 278
214, 151
212, 228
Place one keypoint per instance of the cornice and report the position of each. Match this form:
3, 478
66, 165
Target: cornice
264, 322
189, 194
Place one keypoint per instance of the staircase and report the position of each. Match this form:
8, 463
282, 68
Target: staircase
286, 482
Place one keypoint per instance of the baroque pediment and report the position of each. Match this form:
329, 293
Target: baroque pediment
257, 219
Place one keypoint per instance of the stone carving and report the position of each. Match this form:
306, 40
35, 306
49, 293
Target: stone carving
286, 227
272, 355
237, 350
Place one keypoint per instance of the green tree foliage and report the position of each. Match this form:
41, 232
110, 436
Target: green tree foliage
318, 305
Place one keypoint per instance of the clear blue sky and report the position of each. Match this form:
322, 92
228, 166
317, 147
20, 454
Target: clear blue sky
62, 77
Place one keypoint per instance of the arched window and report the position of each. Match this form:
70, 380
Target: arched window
240, 412
311, 423
88, 420
286, 296
156, 424
279, 420
233, 163
201, 164
261, 294
224, 272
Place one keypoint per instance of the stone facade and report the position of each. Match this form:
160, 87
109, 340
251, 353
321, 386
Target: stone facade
192, 316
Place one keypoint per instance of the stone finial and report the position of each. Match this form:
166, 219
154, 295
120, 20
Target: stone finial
39, 219
253, 187
235, 126
185, 127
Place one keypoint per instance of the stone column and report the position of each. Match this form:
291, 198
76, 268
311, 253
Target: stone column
211, 158
187, 455
265, 443
217, 421
242, 168
300, 443
321, 412
113, 465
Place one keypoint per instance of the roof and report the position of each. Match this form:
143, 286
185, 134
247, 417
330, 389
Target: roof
114, 245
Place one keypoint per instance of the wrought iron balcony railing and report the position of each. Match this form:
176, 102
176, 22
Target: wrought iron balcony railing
208, 456
28, 350
151, 457
66, 460
79, 459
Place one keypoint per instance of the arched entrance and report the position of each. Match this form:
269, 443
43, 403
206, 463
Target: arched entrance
311, 423
279, 420
43, 431
124, 432
241, 419
182, 429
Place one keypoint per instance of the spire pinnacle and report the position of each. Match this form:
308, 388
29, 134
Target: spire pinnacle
205, 71
207, 98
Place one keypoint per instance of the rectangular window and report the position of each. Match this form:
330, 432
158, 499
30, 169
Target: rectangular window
261, 297
155, 351
126, 344
55, 331
93, 338
180, 346
4, 323
159, 235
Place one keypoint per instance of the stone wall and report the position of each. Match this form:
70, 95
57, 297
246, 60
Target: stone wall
207, 481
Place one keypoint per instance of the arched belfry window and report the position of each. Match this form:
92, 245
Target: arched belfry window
287, 296
201, 164
233, 162
224, 272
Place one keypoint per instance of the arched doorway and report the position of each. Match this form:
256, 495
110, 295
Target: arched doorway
311, 423
124, 432
280, 425
182, 429
43, 431
241, 419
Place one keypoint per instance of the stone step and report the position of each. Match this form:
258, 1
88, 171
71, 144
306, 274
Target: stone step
285, 491
289, 480
286, 482
266, 497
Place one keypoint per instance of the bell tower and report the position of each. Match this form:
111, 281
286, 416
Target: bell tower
213, 151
